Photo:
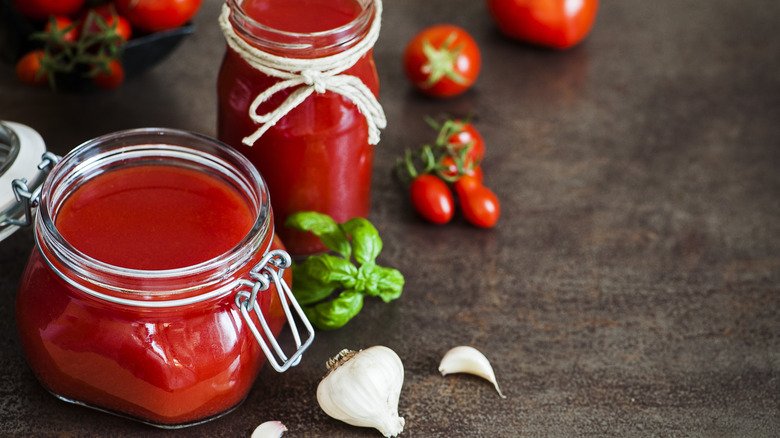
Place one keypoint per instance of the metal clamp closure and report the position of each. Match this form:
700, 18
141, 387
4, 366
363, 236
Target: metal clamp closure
29, 199
269, 271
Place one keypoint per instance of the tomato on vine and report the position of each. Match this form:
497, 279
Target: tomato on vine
454, 159
478, 203
88, 37
90, 45
459, 148
105, 19
30, 68
460, 138
442, 60
108, 76
450, 170
432, 199
63, 27
464, 135
559, 24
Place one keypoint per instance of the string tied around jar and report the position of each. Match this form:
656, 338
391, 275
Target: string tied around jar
315, 79
309, 76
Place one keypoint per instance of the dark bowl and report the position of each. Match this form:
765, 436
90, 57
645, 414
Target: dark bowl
147, 50
141, 52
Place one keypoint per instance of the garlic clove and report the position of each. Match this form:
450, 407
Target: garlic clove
269, 429
362, 388
465, 359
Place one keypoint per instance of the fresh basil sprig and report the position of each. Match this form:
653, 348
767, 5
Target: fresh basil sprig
322, 276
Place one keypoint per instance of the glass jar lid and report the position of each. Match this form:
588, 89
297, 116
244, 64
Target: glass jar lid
21, 149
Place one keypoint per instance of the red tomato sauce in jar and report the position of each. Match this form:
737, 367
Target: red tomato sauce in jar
316, 157
167, 367
302, 16
162, 217
128, 304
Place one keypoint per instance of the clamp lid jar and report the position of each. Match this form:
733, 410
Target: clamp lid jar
157, 286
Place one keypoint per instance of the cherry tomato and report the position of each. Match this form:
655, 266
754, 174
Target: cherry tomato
113, 20
559, 24
64, 26
39, 10
29, 69
121, 26
465, 135
448, 170
464, 148
111, 79
158, 15
442, 61
432, 199
478, 203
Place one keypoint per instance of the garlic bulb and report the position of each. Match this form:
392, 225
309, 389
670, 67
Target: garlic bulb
269, 429
362, 388
465, 359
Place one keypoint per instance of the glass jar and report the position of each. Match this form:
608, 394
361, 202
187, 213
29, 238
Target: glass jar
124, 306
297, 93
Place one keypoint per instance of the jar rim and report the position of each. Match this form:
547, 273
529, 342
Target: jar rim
110, 151
301, 43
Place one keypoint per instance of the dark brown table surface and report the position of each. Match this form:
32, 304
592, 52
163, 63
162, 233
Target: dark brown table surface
632, 285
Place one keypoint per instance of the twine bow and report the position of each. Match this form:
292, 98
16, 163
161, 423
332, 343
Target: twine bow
310, 76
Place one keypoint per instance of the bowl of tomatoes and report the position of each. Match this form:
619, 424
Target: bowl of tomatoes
82, 44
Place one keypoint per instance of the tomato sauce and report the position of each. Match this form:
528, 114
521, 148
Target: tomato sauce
165, 366
302, 16
317, 157
162, 217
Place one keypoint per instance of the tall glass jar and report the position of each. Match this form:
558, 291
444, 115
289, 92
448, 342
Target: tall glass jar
297, 95
156, 288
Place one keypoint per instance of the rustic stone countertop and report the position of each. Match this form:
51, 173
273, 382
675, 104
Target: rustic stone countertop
631, 286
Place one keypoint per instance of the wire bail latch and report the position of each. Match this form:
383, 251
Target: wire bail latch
269, 271
29, 199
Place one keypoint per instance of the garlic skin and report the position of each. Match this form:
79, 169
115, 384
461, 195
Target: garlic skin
465, 359
269, 429
362, 389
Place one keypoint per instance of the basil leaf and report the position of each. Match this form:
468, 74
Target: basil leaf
366, 243
335, 313
307, 288
328, 270
324, 227
319, 276
387, 283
